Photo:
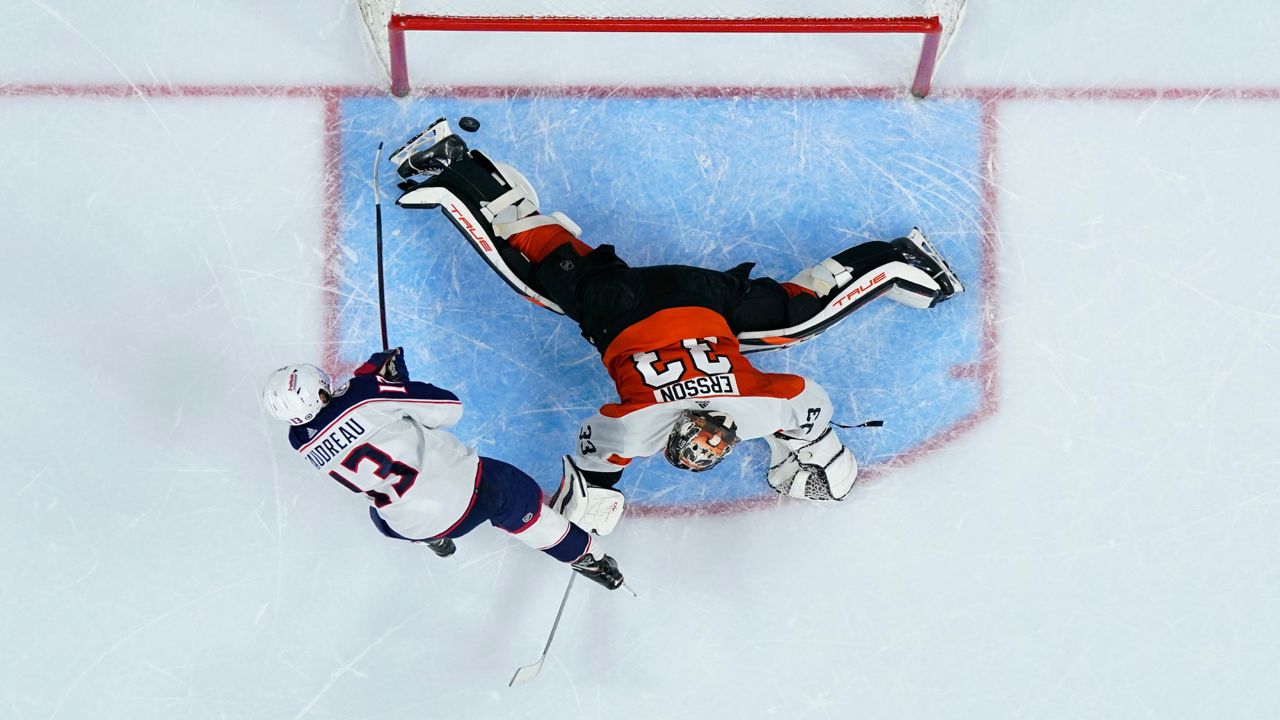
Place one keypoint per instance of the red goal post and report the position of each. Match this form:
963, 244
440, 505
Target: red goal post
388, 26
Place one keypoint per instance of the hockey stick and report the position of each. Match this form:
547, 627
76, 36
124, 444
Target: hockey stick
867, 424
377, 210
528, 673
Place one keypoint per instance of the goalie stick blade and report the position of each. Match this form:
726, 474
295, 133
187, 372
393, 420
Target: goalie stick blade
527, 674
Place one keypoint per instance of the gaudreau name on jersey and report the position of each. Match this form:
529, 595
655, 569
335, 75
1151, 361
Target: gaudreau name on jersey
338, 439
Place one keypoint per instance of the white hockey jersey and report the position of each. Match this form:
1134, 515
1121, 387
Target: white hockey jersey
686, 358
387, 440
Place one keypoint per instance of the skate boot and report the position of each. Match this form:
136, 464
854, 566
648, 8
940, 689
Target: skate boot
430, 151
444, 547
921, 253
603, 570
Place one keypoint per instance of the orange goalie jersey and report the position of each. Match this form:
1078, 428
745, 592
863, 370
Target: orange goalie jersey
686, 358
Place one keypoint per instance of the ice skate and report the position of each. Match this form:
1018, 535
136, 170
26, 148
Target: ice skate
921, 253
602, 570
430, 151
444, 547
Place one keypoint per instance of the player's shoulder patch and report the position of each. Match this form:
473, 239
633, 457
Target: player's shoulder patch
300, 435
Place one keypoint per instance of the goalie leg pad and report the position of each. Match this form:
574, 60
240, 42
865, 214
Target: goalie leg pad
847, 296
487, 202
824, 277
520, 201
506, 230
845, 282
595, 509
821, 469
498, 191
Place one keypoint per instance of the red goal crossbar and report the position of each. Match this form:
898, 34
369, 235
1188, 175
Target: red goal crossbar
930, 27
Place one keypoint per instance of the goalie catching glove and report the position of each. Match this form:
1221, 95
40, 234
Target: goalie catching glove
594, 509
821, 469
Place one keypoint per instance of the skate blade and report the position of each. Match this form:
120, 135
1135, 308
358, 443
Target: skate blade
438, 131
919, 239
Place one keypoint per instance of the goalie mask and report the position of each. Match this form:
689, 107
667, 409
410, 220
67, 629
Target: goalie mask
295, 393
700, 439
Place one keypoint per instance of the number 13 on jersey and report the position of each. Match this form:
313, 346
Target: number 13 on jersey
384, 466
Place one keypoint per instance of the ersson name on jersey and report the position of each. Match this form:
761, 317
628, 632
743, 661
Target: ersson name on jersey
725, 384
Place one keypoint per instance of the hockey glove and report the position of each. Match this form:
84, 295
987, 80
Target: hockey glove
389, 364
821, 469
594, 509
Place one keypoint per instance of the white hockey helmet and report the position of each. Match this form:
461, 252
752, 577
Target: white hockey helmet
700, 439
295, 393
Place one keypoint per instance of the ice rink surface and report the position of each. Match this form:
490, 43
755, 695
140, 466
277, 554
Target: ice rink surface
1086, 528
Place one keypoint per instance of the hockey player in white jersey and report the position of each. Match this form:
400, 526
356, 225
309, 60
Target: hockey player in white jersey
673, 338
384, 436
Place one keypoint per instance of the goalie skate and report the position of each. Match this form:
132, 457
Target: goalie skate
921, 253
428, 152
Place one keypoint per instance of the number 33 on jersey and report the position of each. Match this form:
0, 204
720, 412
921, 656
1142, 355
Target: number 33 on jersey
694, 373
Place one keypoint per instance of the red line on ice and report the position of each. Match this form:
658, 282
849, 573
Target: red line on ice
984, 371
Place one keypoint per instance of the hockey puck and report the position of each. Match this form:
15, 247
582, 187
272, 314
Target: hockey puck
468, 123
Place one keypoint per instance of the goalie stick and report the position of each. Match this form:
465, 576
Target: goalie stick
867, 424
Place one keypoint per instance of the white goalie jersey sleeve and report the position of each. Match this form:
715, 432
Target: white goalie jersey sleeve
609, 440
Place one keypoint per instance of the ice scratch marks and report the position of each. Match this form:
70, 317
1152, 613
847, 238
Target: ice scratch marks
348, 667
92, 46
70, 688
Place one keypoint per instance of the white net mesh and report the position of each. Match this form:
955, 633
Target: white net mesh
376, 14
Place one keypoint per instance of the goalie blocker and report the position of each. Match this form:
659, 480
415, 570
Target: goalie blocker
592, 507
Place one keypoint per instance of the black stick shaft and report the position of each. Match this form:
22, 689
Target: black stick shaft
377, 213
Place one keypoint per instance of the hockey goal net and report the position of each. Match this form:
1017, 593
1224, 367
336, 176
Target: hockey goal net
928, 24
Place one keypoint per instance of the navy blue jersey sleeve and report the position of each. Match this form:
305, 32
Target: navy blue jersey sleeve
427, 391
370, 387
